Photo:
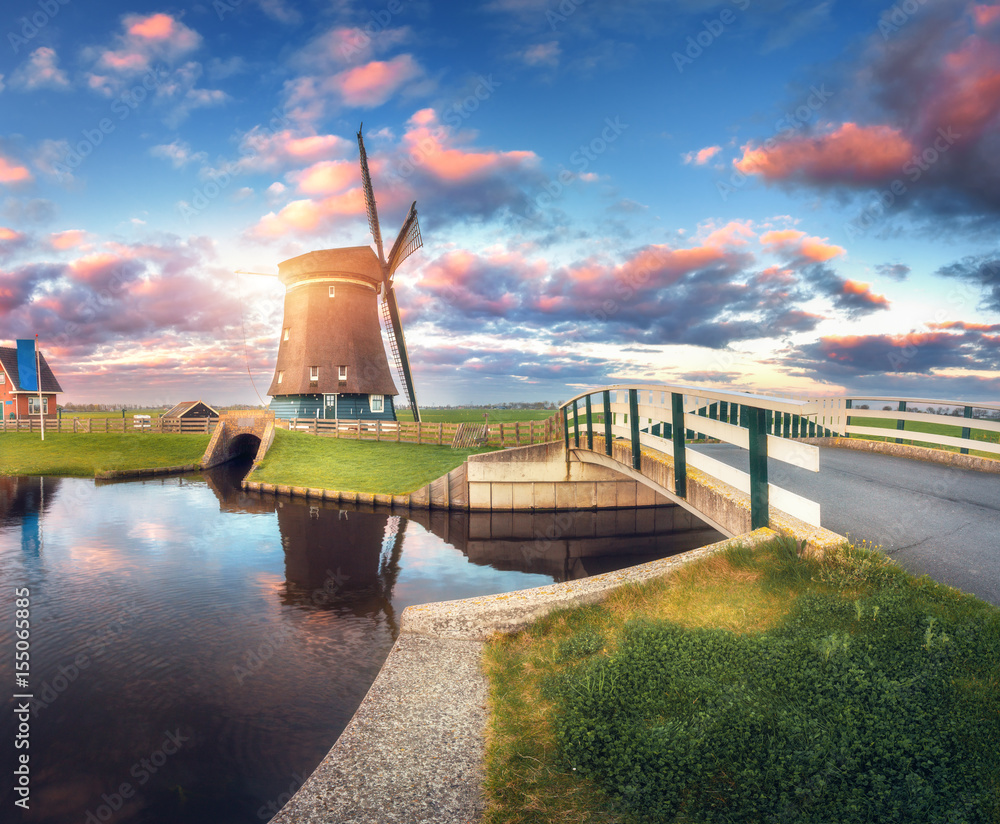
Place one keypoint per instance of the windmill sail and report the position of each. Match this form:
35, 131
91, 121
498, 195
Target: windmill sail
366, 180
407, 242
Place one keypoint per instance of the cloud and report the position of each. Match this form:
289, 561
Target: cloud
12, 172
982, 271
851, 296
894, 271
178, 153
799, 244
40, 71
925, 108
844, 357
2, 85
69, 239
702, 156
542, 54
145, 39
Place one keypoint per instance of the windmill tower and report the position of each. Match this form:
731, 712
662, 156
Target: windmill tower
331, 359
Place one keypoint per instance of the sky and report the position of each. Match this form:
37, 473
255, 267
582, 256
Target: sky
773, 195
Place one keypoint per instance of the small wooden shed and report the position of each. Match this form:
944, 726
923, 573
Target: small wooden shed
190, 411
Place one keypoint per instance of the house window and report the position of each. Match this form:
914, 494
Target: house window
333, 291
376, 403
314, 373
3, 378
286, 333
281, 376
342, 373
33, 405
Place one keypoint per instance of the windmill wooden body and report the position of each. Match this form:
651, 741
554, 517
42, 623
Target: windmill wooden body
331, 359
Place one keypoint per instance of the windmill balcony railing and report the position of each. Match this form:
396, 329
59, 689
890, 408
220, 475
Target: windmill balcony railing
665, 417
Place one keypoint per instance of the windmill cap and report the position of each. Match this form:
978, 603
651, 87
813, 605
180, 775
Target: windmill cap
352, 261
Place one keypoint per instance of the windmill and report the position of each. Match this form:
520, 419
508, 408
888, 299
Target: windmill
331, 358
407, 242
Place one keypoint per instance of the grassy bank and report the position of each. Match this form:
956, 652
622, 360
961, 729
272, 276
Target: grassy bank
752, 687
24, 453
301, 459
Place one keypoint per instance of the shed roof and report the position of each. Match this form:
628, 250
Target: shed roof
184, 407
8, 360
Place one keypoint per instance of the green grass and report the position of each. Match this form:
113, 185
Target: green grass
929, 427
465, 415
752, 686
63, 453
301, 459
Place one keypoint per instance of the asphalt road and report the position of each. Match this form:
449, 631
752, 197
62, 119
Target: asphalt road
933, 519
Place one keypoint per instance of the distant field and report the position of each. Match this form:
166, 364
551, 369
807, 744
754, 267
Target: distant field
80, 413
929, 427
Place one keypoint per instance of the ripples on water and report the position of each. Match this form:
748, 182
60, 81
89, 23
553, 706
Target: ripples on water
197, 649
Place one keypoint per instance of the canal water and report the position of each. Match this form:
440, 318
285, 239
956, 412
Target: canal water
195, 649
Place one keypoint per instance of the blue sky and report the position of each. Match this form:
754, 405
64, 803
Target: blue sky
766, 194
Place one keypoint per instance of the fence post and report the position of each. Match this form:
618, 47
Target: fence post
680, 459
576, 423
966, 431
757, 423
901, 424
633, 420
590, 426
607, 421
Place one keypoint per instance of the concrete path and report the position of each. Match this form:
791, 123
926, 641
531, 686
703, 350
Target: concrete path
935, 520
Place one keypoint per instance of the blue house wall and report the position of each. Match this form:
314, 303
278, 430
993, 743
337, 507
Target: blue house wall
349, 407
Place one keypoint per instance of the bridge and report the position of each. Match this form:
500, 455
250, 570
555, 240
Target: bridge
755, 449
244, 432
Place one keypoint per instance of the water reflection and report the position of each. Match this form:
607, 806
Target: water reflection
248, 625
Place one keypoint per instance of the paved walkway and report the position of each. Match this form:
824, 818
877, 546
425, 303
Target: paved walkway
933, 519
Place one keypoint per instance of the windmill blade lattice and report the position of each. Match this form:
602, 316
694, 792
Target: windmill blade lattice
366, 180
407, 241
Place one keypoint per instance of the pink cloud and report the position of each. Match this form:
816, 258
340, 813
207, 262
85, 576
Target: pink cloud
849, 153
327, 177
427, 141
143, 40
263, 150
11, 172
69, 239
7, 234
155, 27
985, 15
310, 216
863, 293
702, 156
374, 83
798, 243
40, 71
734, 233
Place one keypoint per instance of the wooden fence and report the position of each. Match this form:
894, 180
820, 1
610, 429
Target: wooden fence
496, 435
131, 423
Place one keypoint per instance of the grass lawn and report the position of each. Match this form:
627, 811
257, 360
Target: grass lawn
63, 453
752, 687
932, 428
301, 459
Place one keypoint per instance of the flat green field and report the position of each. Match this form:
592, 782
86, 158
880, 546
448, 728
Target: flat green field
63, 453
929, 427
301, 459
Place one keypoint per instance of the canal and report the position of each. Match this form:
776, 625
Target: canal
195, 649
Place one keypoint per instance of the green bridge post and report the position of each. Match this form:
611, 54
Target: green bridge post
565, 417
607, 422
847, 422
680, 459
576, 423
966, 431
900, 425
633, 419
756, 422
590, 426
